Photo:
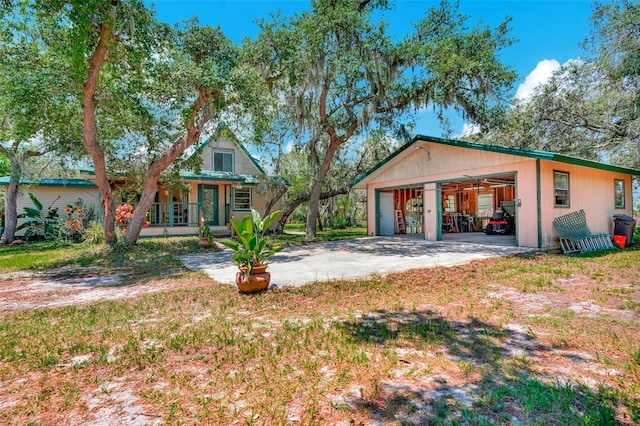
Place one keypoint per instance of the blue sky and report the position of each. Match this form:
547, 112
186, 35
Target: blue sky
548, 32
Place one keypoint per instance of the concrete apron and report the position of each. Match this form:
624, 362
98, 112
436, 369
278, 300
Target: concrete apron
349, 259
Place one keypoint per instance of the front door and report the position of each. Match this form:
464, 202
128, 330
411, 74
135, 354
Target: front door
208, 198
386, 213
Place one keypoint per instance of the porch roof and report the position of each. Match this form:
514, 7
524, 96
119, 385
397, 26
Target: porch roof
206, 175
61, 182
219, 177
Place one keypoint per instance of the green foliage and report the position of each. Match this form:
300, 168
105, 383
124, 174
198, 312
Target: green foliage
204, 231
337, 73
589, 107
79, 217
5, 166
94, 233
253, 247
45, 223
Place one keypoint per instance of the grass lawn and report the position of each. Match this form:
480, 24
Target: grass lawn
535, 340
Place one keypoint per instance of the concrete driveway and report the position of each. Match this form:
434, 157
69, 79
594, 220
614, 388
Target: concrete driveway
348, 259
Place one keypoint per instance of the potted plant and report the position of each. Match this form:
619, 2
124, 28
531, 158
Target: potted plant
205, 234
252, 249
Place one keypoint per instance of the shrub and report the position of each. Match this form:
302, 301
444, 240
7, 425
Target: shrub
124, 214
40, 222
78, 218
94, 233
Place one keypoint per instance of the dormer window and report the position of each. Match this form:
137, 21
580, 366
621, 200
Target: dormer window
223, 161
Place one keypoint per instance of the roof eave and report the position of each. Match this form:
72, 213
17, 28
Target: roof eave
360, 181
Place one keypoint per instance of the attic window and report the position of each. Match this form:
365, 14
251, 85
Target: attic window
222, 161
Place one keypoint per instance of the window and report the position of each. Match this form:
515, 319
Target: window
561, 188
242, 199
485, 205
449, 204
618, 186
222, 161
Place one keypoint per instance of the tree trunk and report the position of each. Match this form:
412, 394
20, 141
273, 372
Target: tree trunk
140, 214
11, 208
90, 128
106, 195
316, 188
11, 197
199, 117
289, 209
334, 143
314, 208
282, 189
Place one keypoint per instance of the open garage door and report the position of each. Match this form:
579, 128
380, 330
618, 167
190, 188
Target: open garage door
480, 209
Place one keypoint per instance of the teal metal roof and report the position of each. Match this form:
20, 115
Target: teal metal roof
219, 177
212, 176
66, 183
529, 153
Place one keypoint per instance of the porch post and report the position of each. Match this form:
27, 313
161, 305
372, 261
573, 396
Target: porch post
171, 215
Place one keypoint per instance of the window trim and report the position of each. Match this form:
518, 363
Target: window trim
222, 151
235, 207
615, 193
555, 200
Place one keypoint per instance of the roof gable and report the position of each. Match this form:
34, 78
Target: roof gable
540, 155
223, 130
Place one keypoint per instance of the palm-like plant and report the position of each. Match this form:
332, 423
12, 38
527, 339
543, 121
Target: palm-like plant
40, 221
252, 247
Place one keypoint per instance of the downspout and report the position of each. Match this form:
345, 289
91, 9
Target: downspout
538, 201
377, 201
438, 208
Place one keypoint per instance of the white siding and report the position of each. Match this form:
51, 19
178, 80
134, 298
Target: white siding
243, 164
58, 197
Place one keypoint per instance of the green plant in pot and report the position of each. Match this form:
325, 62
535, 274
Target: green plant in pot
253, 248
205, 234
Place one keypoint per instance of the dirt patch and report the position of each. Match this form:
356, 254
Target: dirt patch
67, 287
406, 348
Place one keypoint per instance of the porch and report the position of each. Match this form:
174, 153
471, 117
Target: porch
174, 231
178, 218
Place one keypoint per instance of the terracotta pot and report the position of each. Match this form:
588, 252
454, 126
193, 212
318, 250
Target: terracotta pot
257, 269
204, 242
254, 283
260, 269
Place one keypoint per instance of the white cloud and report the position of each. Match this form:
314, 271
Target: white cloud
468, 129
540, 75
288, 147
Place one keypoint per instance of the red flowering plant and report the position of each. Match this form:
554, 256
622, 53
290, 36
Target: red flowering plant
124, 214
76, 221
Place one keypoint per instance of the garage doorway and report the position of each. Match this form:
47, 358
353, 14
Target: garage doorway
471, 206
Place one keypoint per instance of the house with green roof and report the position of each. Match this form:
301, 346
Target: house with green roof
446, 189
225, 188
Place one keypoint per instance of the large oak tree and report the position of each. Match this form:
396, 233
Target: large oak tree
337, 71
145, 90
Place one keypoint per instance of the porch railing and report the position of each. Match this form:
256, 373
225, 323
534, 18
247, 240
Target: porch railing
174, 214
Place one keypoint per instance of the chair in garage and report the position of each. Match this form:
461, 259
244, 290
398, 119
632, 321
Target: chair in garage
447, 223
413, 226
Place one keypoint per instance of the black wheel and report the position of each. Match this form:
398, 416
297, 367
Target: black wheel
489, 230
